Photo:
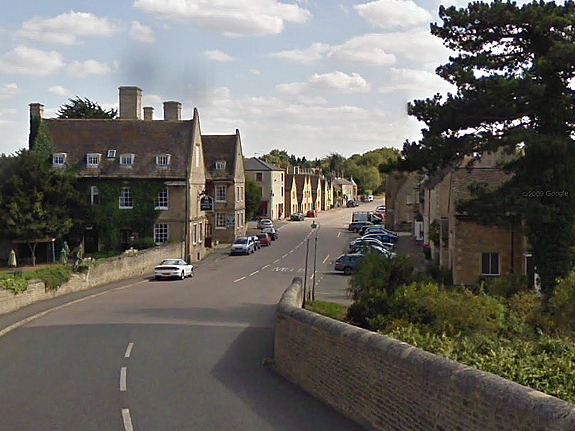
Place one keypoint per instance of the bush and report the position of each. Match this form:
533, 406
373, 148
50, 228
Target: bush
143, 243
13, 282
562, 304
506, 286
439, 274
52, 276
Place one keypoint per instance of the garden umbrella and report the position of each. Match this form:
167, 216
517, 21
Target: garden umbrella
12, 259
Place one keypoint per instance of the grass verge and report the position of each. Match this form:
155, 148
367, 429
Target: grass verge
329, 309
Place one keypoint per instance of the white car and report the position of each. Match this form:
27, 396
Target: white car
170, 268
243, 245
265, 222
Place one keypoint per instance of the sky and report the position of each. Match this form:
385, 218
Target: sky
309, 77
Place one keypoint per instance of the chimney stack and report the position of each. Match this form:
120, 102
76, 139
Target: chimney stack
172, 111
36, 110
148, 113
130, 103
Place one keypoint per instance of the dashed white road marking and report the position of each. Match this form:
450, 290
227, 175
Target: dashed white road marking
325, 258
276, 261
254, 273
338, 234
239, 279
128, 350
285, 255
123, 372
264, 267
127, 420
291, 251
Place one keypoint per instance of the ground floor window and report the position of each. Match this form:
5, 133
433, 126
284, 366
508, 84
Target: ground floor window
200, 231
195, 233
160, 233
220, 220
490, 263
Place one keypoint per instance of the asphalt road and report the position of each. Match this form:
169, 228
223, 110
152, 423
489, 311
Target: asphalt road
173, 355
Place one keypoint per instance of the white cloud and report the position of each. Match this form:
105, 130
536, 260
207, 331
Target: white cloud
151, 99
393, 13
90, 67
311, 100
254, 71
29, 61
331, 82
233, 18
358, 50
66, 28
217, 55
59, 90
303, 56
8, 90
417, 83
141, 33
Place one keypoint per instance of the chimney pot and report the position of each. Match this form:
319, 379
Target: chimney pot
148, 113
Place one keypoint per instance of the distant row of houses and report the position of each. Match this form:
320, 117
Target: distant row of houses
284, 192
197, 181
426, 206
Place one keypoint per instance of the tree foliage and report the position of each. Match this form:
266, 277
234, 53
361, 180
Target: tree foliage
85, 108
253, 197
36, 202
512, 71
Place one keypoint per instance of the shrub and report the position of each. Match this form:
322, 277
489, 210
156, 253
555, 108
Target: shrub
562, 303
52, 276
506, 286
14, 282
143, 243
329, 309
439, 274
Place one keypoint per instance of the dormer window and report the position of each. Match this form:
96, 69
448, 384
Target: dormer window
92, 160
58, 160
163, 160
111, 154
126, 160
220, 165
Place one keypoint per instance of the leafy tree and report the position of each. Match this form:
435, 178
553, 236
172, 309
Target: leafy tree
253, 197
279, 158
512, 71
85, 108
36, 202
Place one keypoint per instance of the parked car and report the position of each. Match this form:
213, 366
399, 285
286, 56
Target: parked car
347, 262
370, 198
297, 217
311, 213
264, 239
271, 232
383, 237
376, 229
257, 244
350, 203
355, 226
358, 243
265, 222
243, 245
171, 268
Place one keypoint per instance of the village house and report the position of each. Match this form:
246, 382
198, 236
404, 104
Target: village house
345, 190
291, 202
402, 201
304, 193
327, 201
225, 185
316, 192
272, 183
125, 164
469, 250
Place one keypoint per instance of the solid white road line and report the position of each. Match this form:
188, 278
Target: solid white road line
59, 307
239, 279
127, 420
325, 258
123, 372
264, 267
128, 350
254, 273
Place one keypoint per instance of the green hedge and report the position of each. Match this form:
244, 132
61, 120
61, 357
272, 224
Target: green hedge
52, 276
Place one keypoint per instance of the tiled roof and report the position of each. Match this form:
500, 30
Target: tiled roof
144, 139
300, 180
219, 148
342, 181
463, 177
289, 182
254, 164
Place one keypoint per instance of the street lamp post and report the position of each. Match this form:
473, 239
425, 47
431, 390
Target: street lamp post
313, 226
305, 273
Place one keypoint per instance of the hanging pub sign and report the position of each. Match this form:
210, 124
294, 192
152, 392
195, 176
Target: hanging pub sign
206, 203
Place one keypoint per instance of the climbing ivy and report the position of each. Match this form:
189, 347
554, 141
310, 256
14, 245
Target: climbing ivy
40, 139
110, 219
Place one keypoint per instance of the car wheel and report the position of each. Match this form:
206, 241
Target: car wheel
347, 270
182, 275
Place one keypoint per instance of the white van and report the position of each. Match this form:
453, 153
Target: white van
370, 198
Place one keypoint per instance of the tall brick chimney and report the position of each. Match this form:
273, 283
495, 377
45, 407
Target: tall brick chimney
172, 111
130, 103
148, 113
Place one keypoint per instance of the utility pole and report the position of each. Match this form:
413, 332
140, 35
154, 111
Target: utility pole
305, 273
314, 225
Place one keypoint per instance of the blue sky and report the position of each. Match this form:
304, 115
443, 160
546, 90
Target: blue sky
310, 77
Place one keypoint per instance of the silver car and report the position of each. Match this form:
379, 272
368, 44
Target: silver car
243, 245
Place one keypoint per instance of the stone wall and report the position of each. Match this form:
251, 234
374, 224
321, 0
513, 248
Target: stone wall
105, 271
385, 384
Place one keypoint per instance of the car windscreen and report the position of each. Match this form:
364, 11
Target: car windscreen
170, 262
241, 241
